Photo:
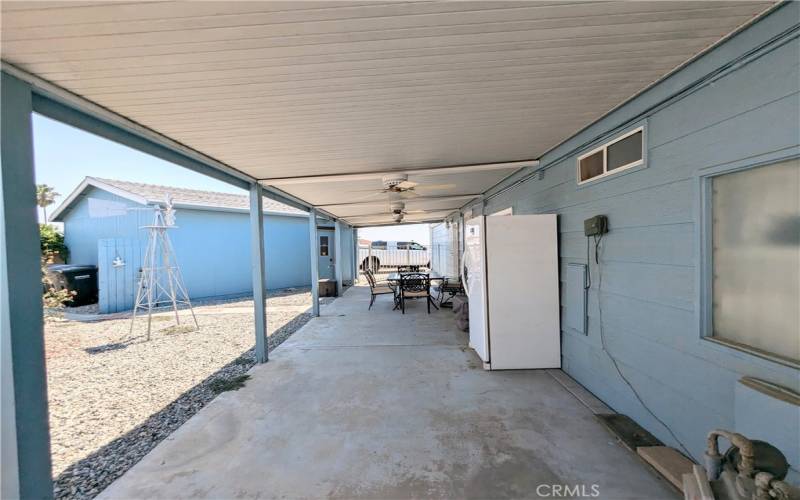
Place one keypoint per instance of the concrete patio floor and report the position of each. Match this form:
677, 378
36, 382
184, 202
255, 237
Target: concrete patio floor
375, 404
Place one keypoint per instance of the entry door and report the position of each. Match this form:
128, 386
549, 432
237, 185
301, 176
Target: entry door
325, 251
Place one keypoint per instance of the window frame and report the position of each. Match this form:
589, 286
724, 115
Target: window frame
604, 148
705, 266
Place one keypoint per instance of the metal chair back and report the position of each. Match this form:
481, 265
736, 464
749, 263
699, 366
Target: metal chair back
415, 282
415, 285
370, 278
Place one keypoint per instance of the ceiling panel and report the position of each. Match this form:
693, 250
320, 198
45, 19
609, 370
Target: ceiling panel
281, 89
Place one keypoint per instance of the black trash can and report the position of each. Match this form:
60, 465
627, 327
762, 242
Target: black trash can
79, 279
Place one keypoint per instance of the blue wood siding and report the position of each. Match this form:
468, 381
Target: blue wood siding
212, 249
214, 254
649, 262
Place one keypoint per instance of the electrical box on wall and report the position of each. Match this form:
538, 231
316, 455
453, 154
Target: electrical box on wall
595, 225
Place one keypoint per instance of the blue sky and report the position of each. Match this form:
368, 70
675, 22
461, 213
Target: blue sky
65, 155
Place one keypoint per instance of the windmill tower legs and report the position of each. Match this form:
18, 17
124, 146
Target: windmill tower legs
160, 283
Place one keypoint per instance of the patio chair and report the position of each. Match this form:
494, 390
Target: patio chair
449, 288
415, 286
378, 288
378, 282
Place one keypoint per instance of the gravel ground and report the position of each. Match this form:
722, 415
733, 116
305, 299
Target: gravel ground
114, 396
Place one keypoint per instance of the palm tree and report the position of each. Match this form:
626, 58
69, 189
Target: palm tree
45, 196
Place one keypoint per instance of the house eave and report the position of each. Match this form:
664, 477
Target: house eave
59, 213
66, 205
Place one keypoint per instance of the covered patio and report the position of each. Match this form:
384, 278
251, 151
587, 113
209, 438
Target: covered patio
375, 404
376, 113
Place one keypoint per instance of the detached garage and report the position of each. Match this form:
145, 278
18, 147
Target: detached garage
102, 226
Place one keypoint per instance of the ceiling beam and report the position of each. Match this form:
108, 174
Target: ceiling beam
386, 218
404, 200
390, 214
377, 174
403, 223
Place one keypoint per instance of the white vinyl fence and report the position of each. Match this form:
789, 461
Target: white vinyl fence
378, 260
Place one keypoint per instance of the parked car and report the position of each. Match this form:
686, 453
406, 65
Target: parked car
388, 254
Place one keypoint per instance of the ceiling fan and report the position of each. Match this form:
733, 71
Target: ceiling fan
399, 211
397, 186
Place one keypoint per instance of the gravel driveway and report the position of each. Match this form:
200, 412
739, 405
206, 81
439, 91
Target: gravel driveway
113, 396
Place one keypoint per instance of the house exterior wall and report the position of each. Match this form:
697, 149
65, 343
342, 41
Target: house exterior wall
214, 254
650, 263
212, 249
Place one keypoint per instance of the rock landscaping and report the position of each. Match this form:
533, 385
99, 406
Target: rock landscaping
114, 396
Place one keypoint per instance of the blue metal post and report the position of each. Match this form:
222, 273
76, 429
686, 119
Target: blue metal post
259, 272
338, 257
314, 240
26, 465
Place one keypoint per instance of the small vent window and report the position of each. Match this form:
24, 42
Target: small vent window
592, 166
622, 153
625, 152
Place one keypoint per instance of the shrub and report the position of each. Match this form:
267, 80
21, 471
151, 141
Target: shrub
52, 242
53, 297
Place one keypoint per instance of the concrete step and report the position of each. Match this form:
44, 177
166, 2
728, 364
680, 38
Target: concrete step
669, 462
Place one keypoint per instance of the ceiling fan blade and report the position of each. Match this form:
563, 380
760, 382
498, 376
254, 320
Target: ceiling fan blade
374, 194
407, 185
424, 187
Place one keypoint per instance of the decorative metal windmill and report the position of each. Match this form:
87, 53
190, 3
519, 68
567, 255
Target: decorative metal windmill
160, 282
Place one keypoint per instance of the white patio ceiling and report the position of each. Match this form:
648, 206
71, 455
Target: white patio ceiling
285, 89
